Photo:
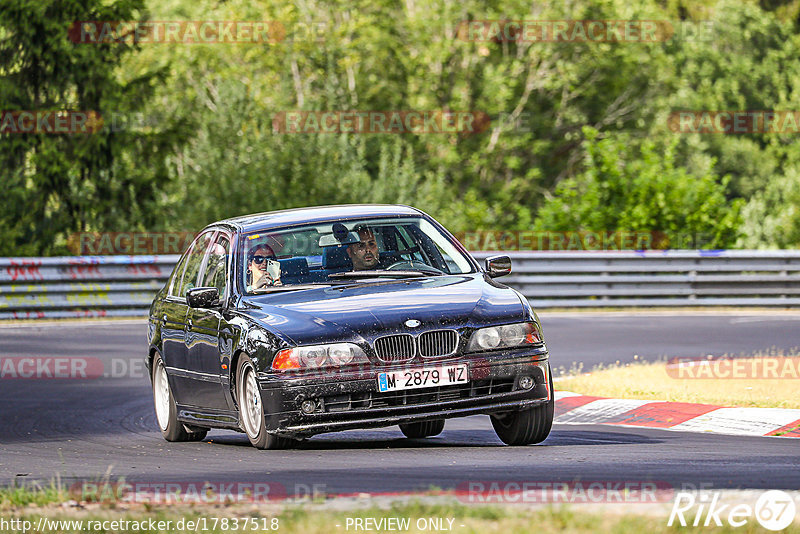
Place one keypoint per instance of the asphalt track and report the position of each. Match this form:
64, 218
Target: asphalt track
106, 427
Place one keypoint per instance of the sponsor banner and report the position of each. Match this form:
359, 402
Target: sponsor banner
380, 122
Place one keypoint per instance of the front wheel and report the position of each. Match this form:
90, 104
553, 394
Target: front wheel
166, 412
526, 427
251, 409
425, 429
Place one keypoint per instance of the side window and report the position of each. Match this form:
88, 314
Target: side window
407, 241
216, 265
175, 282
194, 260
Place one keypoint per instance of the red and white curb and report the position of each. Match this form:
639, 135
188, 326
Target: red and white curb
576, 409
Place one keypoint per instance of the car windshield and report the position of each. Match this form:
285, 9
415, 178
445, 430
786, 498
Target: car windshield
332, 252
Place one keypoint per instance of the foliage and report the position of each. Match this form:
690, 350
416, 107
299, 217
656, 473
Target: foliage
772, 216
57, 184
635, 185
578, 137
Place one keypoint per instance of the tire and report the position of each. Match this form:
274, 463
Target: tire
251, 409
166, 412
424, 429
526, 427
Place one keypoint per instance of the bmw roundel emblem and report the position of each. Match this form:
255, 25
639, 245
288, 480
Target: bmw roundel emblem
412, 323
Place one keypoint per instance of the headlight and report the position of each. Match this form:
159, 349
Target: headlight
501, 337
314, 356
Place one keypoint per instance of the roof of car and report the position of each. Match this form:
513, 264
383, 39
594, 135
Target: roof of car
275, 219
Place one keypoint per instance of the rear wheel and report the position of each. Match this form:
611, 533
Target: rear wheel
251, 409
166, 412
526, 427
424, 429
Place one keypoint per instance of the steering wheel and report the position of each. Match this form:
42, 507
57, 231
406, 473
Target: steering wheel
411, 265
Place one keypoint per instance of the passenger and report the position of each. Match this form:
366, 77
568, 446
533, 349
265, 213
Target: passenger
364, 254
257, 274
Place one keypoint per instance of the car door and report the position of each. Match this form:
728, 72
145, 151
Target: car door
174, 320
202, 331
172, 315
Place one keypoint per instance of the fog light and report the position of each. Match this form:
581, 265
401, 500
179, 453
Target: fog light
525, 382
308, 406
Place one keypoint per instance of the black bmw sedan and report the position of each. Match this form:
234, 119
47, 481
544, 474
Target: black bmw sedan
292, 323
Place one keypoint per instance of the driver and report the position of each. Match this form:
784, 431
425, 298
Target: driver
364, 254
257, 273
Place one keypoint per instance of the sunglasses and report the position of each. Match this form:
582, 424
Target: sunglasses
258, 260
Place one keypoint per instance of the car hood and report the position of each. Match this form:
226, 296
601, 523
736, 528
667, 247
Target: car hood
366, 310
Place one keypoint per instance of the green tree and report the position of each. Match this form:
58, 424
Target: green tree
635, 185
58, 184
772, 216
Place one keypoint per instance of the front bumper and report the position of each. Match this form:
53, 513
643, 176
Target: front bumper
350, 399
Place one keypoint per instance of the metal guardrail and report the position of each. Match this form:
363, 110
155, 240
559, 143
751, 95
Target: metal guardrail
81, 286
657, 278
107, 286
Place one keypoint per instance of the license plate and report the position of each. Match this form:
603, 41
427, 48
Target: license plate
426, 377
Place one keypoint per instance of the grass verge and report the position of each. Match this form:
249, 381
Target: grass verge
311, 518
713, 382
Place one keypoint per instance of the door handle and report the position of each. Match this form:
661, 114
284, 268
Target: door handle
189, 324
164, 320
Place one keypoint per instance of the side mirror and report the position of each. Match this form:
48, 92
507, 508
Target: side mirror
497, 266
203, 297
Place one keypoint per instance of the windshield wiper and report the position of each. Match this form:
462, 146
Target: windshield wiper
291, 287
430, 272
380, 273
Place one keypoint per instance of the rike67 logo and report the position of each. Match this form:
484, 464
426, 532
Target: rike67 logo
774, 510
